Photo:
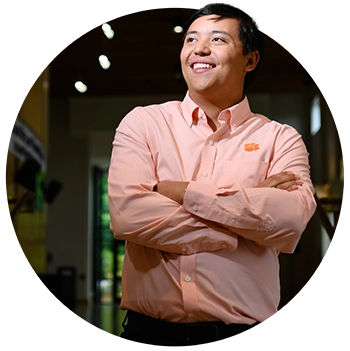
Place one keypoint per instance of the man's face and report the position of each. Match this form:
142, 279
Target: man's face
212, 57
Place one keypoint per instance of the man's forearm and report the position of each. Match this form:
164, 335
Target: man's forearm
172, 190
175, 190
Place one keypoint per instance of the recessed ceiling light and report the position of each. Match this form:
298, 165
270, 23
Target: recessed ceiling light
106, 27
108, 31
80, 86
178, 29
104, 61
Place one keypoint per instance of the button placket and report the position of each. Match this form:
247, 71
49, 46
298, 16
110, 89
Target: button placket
187, 278
188, 285
207, 161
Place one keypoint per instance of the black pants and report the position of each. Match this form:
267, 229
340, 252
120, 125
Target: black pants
148, 330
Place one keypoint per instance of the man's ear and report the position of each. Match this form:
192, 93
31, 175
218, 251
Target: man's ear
252, 60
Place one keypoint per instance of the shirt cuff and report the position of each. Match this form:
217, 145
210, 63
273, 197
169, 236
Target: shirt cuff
224, 206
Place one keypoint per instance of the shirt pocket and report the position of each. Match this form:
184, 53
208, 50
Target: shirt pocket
249, 173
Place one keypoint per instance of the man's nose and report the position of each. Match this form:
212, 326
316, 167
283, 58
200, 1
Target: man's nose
202, 48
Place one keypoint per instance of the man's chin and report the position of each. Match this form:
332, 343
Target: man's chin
203, 91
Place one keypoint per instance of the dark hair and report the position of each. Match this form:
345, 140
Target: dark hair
249, 34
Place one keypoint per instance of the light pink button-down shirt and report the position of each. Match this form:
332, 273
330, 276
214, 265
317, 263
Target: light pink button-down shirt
216, 256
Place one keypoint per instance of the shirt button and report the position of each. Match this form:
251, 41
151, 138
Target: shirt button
187, 278
224, 246
190, 315
211, 142
204, 174
268, 224
195, 208
233, 220
183, 249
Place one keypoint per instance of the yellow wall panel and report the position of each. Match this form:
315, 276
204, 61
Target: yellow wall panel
35, 253
30, 224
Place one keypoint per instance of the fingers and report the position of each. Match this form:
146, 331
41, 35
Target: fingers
289, 186
286, 181
283, 181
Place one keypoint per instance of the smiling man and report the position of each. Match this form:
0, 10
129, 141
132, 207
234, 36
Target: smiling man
206, 194
213, 62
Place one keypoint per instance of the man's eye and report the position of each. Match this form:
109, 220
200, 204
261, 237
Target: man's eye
190, 40
217, 39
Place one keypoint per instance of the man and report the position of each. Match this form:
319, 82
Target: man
206, 194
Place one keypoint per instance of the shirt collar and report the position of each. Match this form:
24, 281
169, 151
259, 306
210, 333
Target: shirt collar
237, 113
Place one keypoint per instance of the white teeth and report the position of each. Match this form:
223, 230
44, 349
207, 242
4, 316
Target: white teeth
201, 65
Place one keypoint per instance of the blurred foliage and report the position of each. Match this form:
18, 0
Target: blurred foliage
104, 218
104, 194
107, 263
109, 247
107, 239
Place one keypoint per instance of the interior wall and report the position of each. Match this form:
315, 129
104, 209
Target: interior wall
96, 115
286, 108
334, 173
326, 149
67, 243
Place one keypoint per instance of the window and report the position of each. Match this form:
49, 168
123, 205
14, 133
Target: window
315, 115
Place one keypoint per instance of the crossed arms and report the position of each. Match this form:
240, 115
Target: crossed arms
205, 217
175, 190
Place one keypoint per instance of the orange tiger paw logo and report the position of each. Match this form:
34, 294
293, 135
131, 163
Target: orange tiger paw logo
251, 147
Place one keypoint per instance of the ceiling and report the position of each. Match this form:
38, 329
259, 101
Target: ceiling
144, 56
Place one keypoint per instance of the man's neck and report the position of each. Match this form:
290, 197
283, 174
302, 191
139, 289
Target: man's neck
213, 107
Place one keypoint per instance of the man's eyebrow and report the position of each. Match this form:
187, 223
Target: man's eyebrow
191, 32
220, 32
213, 32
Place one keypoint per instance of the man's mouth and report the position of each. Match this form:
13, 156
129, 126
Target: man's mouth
202, 66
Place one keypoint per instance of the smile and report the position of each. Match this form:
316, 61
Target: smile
202, 66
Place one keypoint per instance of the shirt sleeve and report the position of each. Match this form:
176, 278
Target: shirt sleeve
268, 216
148, 218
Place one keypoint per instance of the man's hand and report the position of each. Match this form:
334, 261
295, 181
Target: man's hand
172, 190
284, 181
